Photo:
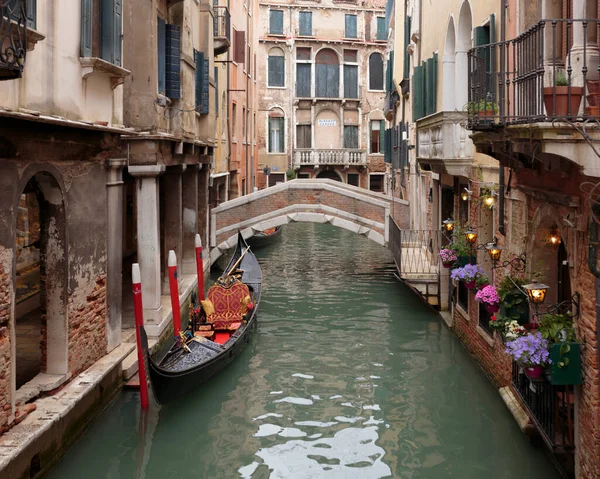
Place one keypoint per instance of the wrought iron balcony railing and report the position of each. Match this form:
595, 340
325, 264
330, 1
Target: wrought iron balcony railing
551, 408
13, 38
222, 30
548, 73
341, 157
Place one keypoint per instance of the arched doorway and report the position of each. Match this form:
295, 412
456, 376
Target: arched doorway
329, 175
327, 74
40, 320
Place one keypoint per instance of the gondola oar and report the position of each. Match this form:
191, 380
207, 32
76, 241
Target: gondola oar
238, 261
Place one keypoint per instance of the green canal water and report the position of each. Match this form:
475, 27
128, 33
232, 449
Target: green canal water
349, 375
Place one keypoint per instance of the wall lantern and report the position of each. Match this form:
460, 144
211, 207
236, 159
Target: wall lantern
471, 236
464, 195
449, 225
536, 291
494, 250
489, 201
554, 238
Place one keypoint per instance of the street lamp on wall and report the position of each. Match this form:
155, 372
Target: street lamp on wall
554, 237
471, 236
448, 225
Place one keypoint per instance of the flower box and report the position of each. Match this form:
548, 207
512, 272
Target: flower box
464, 260
571, 372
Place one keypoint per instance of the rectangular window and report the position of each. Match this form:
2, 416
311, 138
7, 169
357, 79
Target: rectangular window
233, 121
202, 85
381, 30
377, 127
303, 136
350, 81
463, 296
303, 80
302, 53
173, 62
276, 67
276, 134
353, 179
303, 176
351, 56
101, 28
276, 22
276, 178
351, 137
243, 123
239, 46
305, 28
484, 319
327, 78
376, 182
350, 27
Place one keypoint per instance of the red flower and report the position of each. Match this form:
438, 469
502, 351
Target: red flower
493, 318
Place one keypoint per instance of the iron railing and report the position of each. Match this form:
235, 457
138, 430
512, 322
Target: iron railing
333, 157
551, 408
222, 29
514, 81
415, 251
13, 38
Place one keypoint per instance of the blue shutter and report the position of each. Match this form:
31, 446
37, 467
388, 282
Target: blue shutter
303, 80
351, 26
31, 7
205, 88
305, 23
173, 62
117, 30
86, 28
276, 67
406, 43
161, 35
333, 81
217, 90
199, 60
381, 30
276, 22
350, 81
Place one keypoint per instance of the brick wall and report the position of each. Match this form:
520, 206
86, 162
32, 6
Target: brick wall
87, 329
5, 359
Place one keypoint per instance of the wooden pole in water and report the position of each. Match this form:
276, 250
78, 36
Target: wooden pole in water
200, 268
174, 289
139, 323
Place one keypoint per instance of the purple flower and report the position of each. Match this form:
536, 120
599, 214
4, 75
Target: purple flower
469, 272
530, 350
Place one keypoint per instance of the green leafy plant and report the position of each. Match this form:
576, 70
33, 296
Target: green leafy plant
481, 106
560, 79
459, 243
558, 329
515, 302
291, 174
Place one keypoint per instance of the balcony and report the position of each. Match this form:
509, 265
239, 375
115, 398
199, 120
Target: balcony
222, 30
13, 38
342, 157
551, 409
548, 74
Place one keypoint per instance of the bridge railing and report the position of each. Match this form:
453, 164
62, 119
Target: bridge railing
316, 157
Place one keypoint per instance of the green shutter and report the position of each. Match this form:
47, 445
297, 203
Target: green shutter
435, 82
305, 21
381, 30
350, 81
382, 136
430, 87
173, 63
117, 31
406, 43
86, 28
276, 22
418, 93
351, 31
217, 90
303, 80
199, 60
31, 7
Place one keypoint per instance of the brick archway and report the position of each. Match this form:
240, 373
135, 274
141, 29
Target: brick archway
316, 200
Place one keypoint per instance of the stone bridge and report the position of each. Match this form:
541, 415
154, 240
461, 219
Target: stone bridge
317, 200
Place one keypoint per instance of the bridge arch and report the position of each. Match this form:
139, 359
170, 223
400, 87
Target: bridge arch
317, 201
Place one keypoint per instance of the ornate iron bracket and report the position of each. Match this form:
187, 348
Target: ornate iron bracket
13, 38
565, 307
517, 264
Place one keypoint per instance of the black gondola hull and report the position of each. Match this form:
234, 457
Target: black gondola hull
260, 240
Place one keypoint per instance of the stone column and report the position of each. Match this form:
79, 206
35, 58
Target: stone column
148, 238
173, 219
553, 55
190, 218
114, 283
584, 37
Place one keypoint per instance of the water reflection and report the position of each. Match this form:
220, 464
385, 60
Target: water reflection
348, 375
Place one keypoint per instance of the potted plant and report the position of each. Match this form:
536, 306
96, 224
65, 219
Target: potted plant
531, 352
513, 330
448, 257
562, 99
461, 248
489, 296
559, 331
498, 323
468, 273
514, 304
483, 108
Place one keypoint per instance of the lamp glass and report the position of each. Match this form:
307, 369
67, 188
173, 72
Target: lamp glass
494, 251
464, 196
489, 201
449, 225
536, 291
554, 238
471, 236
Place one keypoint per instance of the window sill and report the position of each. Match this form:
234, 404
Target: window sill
306, 36
375, 91
276, 87
280, 35
276, 153
95, 65
485, 335
33, 37
462, 312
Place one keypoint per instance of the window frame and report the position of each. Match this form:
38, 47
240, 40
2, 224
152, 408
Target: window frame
377, 31
357, 175
382, 175
284, 85
382, 73
302, 13
271, 12
346, 17
283, 143
381, 131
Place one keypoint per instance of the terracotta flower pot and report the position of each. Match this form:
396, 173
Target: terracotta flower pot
492, 308
534, 372
447, 264
565, 105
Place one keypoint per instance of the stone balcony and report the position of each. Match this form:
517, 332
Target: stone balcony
329, 157
444, 143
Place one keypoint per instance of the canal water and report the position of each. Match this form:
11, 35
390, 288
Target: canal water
349, 375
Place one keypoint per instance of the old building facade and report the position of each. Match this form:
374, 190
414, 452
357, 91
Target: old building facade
108, 130
482, 146
322, 81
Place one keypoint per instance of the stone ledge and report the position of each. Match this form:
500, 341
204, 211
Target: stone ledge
520, 415
95, 65
41, 383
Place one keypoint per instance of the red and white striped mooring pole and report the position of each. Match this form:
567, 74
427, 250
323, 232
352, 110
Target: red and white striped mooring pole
200, 268
138, 311
174, 289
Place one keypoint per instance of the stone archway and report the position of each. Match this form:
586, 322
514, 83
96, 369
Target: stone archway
40, 323
329, 175
463, 45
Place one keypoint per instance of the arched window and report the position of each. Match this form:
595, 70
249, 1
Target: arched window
276, 132
375, 72
328, 74
276, 66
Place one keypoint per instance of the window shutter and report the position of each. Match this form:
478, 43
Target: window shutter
381, 136
429, 87
118, 31
351, 26
281, 134
418, 93
381, 33
205, 87
370, 137
107, 34
321, 79
31, 6
387, 150
435, 82
276, 67
276, 22
240, 47
406, 43
375, 72
303, 80
270, 145
350, 81
217, 90
161, 55
305, 23
333, 81
86, 28
173, 62
199, 60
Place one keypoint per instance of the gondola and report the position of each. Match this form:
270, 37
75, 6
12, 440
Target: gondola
217, 331
265, 238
